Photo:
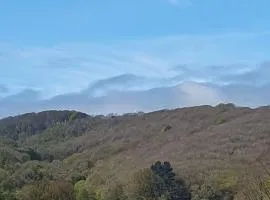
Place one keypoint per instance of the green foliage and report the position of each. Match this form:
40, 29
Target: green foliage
158, 182
204, 192
31, 172
74, 115
100, 193
33, 123
52, 190
33, 155
115, 192
74, 178
254, 188
145, 185
225, 106
55, 155
7, 196
78, 167
219, 121
80, 191
226, 181
7, 185
10, 158
175, 189
112, 192
6, 142
217, 185
267, 183
101, 188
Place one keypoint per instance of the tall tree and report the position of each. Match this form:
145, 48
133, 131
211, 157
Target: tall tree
175, 189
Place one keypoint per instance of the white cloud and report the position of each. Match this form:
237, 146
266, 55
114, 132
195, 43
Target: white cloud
199, 94
184, 94
161, 62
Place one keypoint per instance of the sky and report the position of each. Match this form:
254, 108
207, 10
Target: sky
95, 55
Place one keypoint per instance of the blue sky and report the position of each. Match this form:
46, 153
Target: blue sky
51, 22
60, 47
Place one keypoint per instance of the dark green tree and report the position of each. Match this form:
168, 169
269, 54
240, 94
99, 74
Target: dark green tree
175, 189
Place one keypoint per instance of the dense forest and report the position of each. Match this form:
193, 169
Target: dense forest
197, 153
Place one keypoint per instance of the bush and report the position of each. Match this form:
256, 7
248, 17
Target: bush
80, 191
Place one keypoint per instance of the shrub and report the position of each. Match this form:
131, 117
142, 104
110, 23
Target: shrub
80, 191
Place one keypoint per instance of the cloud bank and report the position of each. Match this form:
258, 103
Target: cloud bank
131, 76
122, 94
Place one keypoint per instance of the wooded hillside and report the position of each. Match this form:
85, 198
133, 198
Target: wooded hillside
213, 152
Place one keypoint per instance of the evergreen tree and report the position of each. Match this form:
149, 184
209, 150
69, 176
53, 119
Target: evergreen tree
176, 190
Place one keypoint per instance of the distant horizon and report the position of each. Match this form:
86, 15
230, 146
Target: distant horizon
135, 112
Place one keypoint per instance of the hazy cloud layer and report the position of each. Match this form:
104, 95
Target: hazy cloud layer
136, 75
111, 95
68, 68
